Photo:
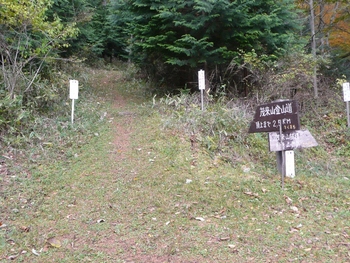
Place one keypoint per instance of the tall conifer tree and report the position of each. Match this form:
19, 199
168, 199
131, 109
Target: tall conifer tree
174, 36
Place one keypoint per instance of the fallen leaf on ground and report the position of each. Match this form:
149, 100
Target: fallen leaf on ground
12, 257
220, 217
35, 252
294, 229
251, 194
294, 209
288, 200
25, 228
54, 242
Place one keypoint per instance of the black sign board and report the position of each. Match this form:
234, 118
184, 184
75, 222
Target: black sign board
269, 117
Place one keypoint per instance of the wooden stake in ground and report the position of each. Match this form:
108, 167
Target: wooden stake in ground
346, 93
201, 85
73, 94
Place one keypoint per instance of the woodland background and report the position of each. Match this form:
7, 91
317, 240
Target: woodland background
257, 50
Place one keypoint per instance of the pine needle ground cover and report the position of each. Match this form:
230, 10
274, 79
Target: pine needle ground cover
152, 185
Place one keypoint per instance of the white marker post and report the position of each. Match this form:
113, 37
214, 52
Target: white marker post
285, 160
346, 92
284, 144
73, 93
201, 85
289, 163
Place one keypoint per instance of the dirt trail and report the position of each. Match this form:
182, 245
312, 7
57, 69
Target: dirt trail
122, 130
122, 127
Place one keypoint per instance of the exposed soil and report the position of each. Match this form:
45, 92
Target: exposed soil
123, 129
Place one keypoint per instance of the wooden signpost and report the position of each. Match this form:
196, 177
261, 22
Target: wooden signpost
201, 86
73, 94
346, 93
284, 146
281, 120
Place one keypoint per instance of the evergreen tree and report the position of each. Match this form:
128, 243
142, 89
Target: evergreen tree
175, 37
96, 36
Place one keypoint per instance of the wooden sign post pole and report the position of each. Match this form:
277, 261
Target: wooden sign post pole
346, 93
202, 100
283, 168
348, 114
72, 111
347, 110
73, 94
201, 86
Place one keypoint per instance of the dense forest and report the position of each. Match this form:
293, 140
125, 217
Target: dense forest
282, 49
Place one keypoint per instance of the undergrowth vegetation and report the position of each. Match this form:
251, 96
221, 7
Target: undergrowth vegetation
222, 125
222, 130
49, 136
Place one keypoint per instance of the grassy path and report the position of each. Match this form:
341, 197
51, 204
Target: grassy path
141, 193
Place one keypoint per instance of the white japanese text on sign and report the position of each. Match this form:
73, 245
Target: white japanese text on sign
276, 115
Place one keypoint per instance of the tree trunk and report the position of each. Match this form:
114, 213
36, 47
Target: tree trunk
313, 46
